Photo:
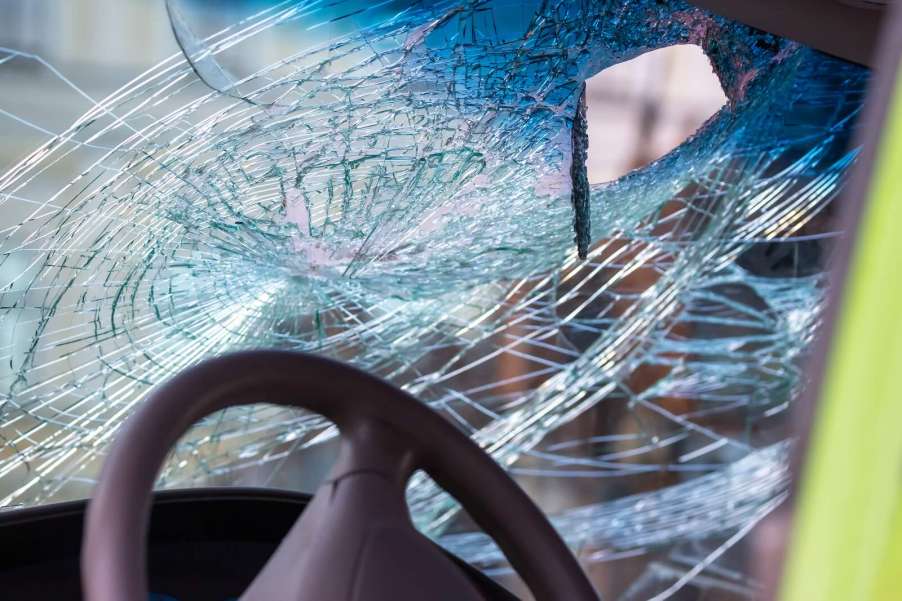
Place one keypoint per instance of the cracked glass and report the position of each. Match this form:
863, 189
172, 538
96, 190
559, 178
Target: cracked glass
403, 185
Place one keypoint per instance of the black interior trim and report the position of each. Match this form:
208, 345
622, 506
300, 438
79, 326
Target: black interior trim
203, 545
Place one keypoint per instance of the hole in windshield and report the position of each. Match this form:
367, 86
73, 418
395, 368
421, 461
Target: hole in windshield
641, 109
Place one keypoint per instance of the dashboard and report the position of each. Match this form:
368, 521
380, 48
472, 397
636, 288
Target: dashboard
203, 545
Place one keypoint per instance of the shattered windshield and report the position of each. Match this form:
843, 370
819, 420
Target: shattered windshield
409, 186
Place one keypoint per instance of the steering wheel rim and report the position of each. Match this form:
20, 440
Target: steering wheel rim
113, 550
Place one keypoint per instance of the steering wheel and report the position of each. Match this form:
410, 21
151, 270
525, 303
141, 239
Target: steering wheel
355, 541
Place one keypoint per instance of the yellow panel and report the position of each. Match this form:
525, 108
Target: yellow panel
847, 540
